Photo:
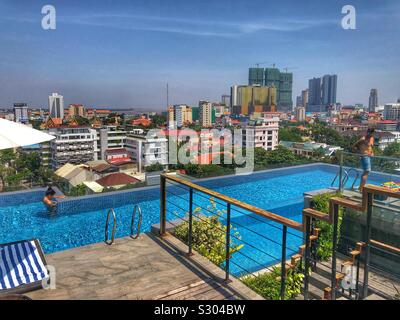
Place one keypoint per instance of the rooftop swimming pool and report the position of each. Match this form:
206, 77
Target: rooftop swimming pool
81, 221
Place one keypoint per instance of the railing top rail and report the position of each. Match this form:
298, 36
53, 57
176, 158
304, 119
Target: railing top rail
261, 212
370, 188
375, 157
385, 246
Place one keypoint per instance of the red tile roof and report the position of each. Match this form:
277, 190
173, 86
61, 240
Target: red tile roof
119, 161
116, 151
116, 179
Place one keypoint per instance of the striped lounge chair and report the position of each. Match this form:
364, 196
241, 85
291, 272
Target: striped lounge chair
22, 267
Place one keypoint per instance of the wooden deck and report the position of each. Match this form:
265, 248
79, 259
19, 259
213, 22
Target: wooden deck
146, 268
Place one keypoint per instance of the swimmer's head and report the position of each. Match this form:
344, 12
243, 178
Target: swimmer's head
50, 192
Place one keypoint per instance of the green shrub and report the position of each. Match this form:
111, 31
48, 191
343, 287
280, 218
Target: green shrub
208, 234
325, 240
268, 285
154, 167
77, 191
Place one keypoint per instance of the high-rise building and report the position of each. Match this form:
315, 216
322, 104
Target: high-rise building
329, 89
56, 106
21, 113
256, 76
195, 114
373, 100
300, 114
283, 81
322, 93
273, 77
299, 101
304, 98
245, 99
76, 110
179, 115
206, 113
226, 100
314, 92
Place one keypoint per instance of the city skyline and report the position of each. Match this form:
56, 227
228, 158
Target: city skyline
123, 57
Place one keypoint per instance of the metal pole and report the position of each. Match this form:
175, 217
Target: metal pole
334, 248
163, 208
228, 241
367, 244
307, 258
341, 172
283, 263
190, 220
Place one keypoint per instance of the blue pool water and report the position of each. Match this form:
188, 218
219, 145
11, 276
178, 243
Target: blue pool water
81, 222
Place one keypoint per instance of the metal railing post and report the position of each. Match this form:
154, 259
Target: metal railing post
190, 221
163, 205
307, 258
228, 241
334, 249
367, 241
283, 263
341, 172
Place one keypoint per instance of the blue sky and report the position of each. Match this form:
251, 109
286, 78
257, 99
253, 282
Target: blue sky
122, 53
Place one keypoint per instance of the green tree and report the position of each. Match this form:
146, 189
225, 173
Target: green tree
290, 134
392, 150
321, 133
158, 120
260, 157
280, 155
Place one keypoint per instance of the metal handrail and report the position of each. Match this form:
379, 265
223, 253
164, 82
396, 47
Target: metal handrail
106, 240
139, 210
261, 212
355, 179
374, 157
344, 179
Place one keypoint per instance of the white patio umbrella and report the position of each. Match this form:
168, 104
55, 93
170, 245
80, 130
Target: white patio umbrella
14, 135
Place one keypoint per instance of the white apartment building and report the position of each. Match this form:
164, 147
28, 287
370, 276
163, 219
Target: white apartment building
300, 114
392, 111
145, 150
261, 133
205, 113
73, 145
110, 137
56, 106
21, 113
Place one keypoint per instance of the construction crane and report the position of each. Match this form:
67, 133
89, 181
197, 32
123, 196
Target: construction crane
289, 68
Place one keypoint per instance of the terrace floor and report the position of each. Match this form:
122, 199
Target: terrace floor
145, 268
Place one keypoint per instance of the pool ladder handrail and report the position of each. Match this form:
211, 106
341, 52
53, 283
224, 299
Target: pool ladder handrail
357, 175
136, 209
106, 239
344, 178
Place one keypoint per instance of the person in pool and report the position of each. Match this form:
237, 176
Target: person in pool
50, 199
364, 147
